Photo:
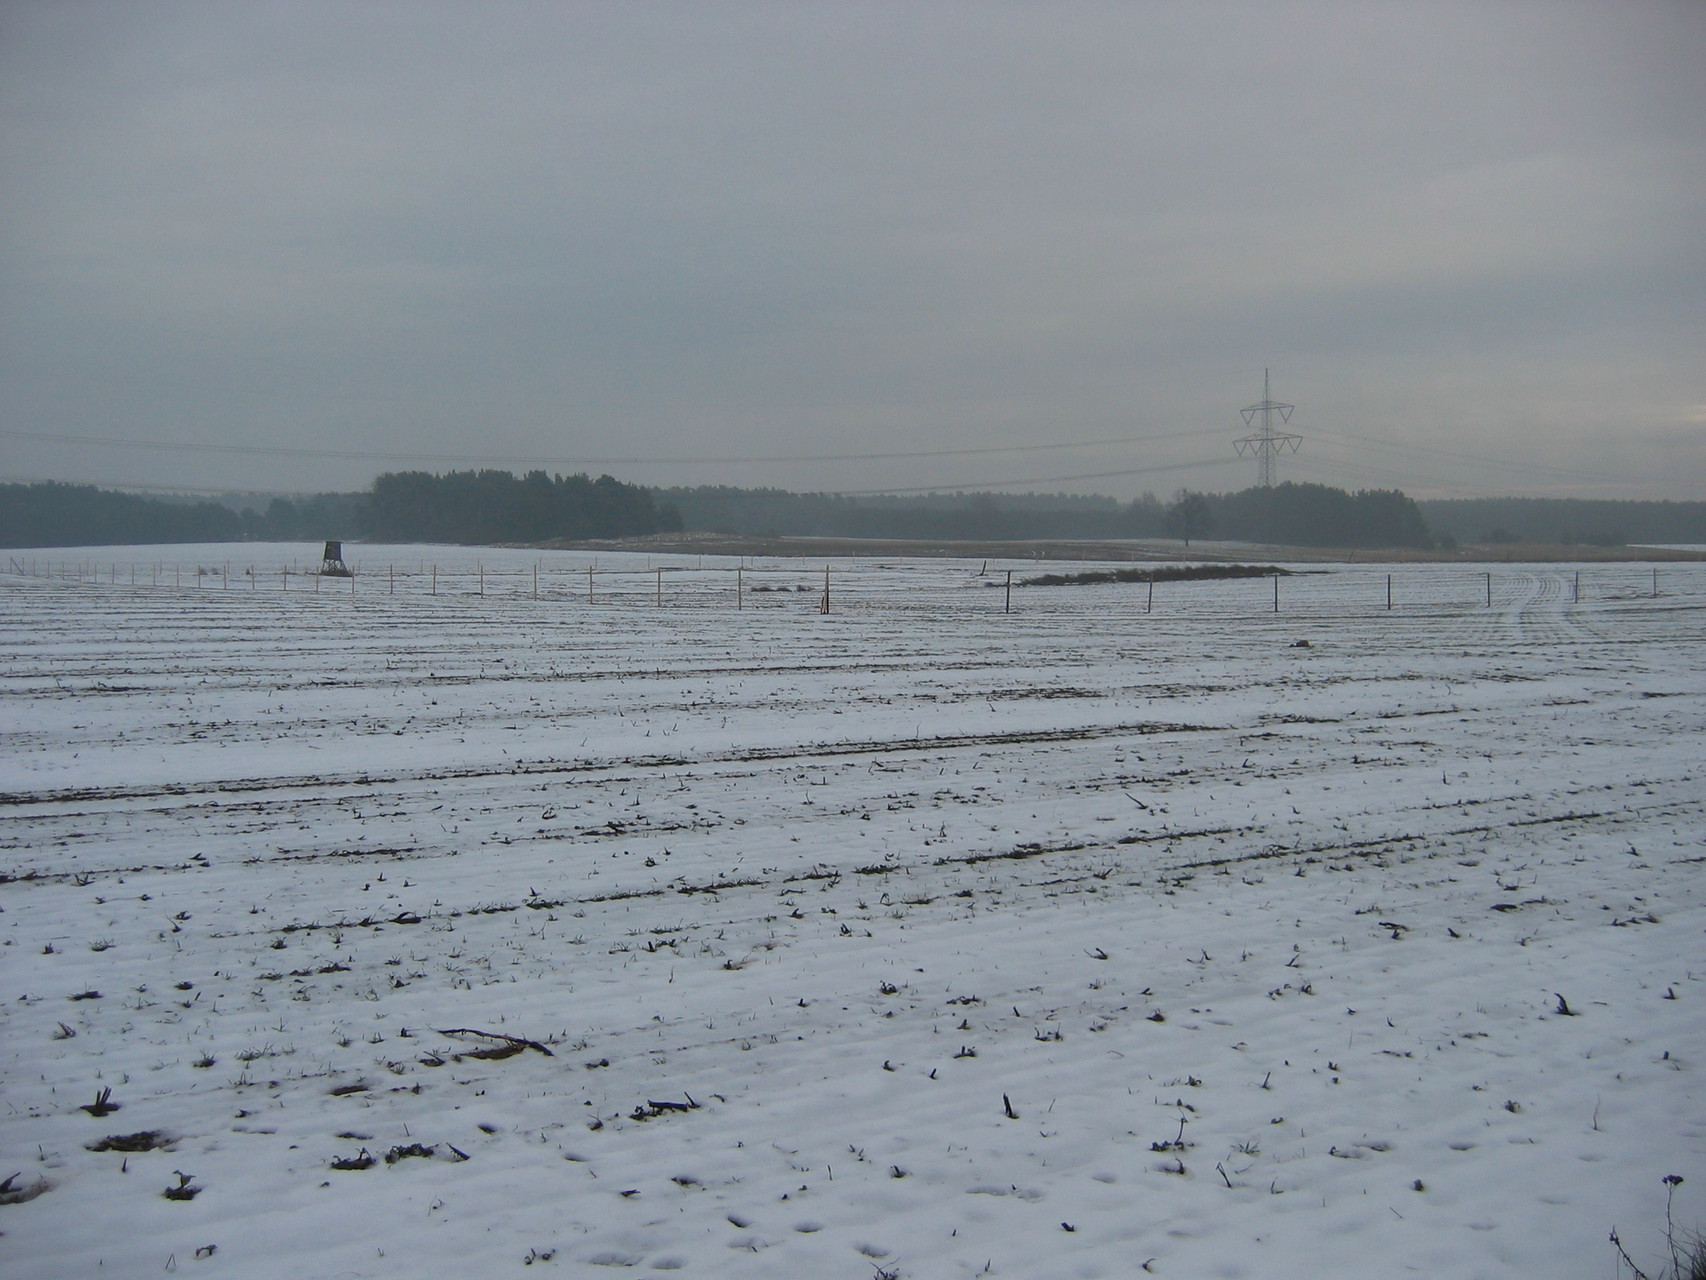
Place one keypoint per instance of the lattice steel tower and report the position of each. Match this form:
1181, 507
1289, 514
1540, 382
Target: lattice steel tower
1263, 445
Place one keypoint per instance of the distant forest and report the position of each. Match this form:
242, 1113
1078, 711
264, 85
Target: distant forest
461, 507
1295, 514
474, 507
496, 506
80, 515
1566, 520
1316, 515
955, 517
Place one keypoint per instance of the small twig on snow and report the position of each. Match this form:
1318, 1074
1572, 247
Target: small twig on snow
520, 1041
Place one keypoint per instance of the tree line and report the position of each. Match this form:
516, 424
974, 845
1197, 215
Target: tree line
1593, 522
1302, 515
52, 514
498, 506
938, 517
1310, 515
411, 506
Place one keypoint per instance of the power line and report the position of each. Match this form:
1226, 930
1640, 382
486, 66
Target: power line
839, 493
710, 459
1456, 455
1418, 453
1334, 469
1008, 484
203, 490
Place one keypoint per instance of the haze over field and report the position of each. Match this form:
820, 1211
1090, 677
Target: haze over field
778, 244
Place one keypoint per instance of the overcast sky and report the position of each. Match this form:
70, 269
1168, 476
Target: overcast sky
790, 243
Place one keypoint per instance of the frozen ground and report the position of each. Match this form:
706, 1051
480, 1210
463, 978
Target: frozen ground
915, 940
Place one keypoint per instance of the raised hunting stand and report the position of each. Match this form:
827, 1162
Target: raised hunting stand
332, 563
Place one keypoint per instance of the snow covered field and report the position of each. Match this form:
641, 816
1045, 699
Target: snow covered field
442, 934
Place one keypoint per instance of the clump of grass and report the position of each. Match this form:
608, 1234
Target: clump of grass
1687, 1251
103, 1105
146, 1140
14, 1194
1170, 573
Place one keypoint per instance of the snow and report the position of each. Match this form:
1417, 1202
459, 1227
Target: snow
1077, 941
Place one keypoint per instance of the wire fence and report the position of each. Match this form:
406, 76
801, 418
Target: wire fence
629, 581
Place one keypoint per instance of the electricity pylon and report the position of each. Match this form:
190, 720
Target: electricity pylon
1264, 444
